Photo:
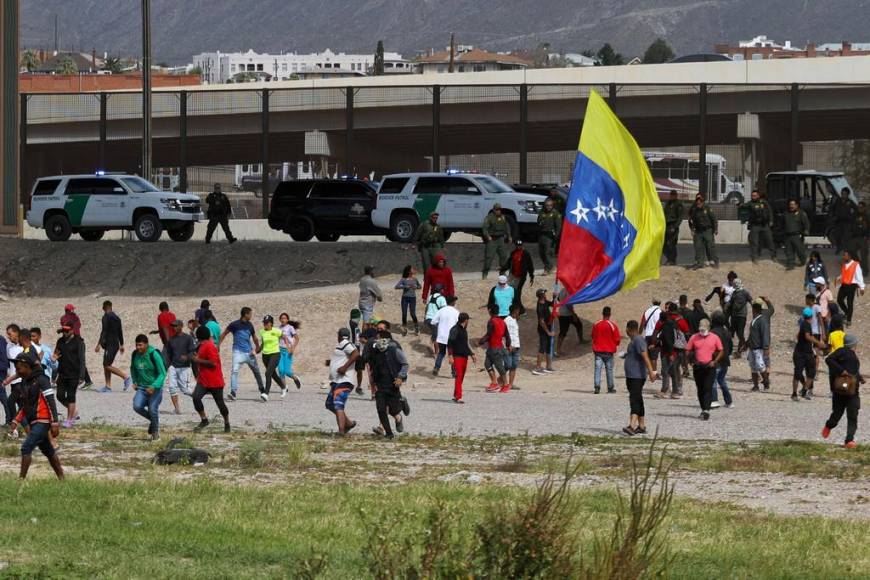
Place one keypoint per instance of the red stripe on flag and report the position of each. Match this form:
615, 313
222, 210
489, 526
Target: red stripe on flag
581, 258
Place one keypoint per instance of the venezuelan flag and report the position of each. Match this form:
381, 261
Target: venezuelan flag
614, 223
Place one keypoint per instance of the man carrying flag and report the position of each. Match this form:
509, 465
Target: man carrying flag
614, 222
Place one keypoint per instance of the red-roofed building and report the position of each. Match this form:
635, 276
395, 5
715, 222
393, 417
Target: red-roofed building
470, 59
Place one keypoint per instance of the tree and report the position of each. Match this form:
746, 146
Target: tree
113, 65
609, 57
853, 158
30, 60
66, 66
658, 52
378, 69
542, 55
196, 71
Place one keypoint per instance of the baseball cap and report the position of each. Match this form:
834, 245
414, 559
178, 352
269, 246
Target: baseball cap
808, 312
502, 279
496, 206
268, 318
344, 333
541, 292
23, 358
463, 316
64, 328
355, 314
818, 280
69, 308
438, 287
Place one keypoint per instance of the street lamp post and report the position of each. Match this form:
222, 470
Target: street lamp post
146, 89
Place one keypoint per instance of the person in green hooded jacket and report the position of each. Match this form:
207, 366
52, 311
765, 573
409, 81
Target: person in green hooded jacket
148, 373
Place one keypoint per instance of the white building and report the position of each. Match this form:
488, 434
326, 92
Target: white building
223, 67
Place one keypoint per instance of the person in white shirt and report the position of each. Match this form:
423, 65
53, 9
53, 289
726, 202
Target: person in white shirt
851, 280
648, 323
444, 320
512, 361
341, 365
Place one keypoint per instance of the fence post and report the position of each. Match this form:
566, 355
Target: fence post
611, 96
265, 153
524, 127
794, 153
182, 142
104, 130
436, 128
702, 141
22, 149
348, 133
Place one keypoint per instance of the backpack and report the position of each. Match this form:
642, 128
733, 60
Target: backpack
845, 385
680, 342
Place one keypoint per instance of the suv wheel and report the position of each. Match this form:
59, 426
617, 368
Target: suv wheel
513, 228
301, 230
327, 237
402, 227
92, 235
58, 228
182, 234
147, 228
734, 198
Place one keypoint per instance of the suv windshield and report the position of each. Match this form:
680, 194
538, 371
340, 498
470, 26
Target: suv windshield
139, 185
493, 185
839, 183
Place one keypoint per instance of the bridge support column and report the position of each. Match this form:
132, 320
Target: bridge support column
264, 127
9, 119
436, 128
348, 133
702, 140
524, 127
794, 129
182, 141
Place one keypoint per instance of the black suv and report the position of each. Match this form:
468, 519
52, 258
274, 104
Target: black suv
323, 208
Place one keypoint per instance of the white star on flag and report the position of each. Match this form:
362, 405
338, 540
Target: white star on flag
600, 210
613, 211
626, 239
580, 212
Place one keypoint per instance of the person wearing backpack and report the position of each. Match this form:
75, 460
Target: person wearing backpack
148, 373
670, 338
845, 372
218, 212
737, 309
436, 302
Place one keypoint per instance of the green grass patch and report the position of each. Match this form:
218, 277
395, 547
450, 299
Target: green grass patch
152, 528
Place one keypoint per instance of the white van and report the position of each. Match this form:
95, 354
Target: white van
89, 205
462, 201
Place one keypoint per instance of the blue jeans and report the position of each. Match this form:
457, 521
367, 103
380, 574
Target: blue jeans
247, 358
442, 352
604, 359
149, 407
409, 306
721, 372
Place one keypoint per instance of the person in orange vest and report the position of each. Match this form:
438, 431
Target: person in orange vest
851, 280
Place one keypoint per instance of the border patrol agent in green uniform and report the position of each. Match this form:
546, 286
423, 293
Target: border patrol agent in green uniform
704, 228
497, 237
795, 225
549, 230
429, 240
674, 213
760, 223
860, 234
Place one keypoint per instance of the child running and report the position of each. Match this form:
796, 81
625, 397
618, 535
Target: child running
409, 284
289, 342
344, 357
209, 380
270, 339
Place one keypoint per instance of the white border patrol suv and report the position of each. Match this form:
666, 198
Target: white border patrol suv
89, 205
462, 201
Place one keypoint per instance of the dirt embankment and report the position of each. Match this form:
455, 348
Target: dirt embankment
40, 268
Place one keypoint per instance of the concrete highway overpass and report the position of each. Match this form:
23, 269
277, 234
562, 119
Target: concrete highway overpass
386, 124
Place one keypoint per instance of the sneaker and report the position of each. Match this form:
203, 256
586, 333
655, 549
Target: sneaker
298, 382
677, 396
359, 391
794, 397
350, 427
826, 432
459, 401
492, 388
283, 393
264, 397
202, 425
549, 370
705, 416
628, 431
378, 430
68, 423
105, 389
400, 426
128, 382
850, 445
660, 395
808, 395
232, 396
766, 386
640, 431
406, 407
87, 386
729, 406
597, 390
715, 405
155, 436
611, 391
538, 372
435, 372
755, 389
804, 393
226, 427
505, 389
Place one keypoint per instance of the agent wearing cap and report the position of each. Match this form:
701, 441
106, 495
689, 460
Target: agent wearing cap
459, 351
841, 363
38, 408
497, 237
804, 357
429, 240
501, 296
549, 231
705, 228
759, 342
795, 225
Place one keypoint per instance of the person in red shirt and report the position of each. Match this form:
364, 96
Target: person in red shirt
520, 268
605, 341
209, 379
438, 273
704, 351
164, 323
670, 335
497, 342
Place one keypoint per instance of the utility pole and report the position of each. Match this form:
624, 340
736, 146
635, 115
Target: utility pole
146, 89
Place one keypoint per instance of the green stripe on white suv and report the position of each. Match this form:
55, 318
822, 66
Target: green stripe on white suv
90, 205
462, 201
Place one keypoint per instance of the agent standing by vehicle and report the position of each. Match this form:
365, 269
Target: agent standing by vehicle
844, 213
148, 373
218, 213
430, 240
860, 234
497, 237
704, 228
549, 230
674, 213
795, 226
760, 223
